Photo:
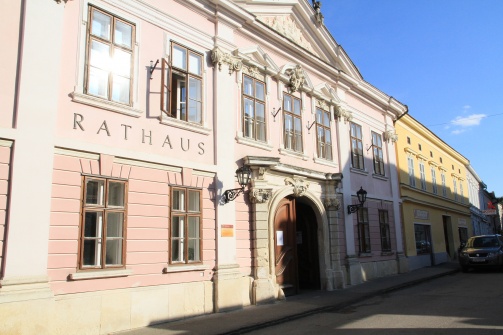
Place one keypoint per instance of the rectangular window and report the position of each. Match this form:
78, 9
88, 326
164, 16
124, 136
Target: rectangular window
356, 147
109, 61
422, 175
103, 228
254, 109
363, 230
324, 135
186, 229
412, 178
292, 122
455, 184
385, 232
378, 155
444, 187
423, 239
461, 192
182, 85
434, 180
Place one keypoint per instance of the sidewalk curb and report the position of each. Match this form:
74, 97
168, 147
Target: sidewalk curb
338, 306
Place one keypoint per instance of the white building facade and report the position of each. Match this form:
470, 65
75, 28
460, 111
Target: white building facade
481, 224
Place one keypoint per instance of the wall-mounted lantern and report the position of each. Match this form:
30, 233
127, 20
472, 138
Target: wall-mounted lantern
244, 175
362, 196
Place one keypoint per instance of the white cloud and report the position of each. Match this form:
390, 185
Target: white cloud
458, 131
466, 107
468, 121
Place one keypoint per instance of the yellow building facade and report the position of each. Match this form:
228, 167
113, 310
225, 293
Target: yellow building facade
434, 193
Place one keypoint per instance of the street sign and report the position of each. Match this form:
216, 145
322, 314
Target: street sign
489, 211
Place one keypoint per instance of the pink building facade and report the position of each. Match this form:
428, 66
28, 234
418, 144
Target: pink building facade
122, 125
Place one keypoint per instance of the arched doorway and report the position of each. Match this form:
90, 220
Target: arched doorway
296, 246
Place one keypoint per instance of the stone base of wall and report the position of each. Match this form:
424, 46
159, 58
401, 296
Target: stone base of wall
379, 269
358, 272
421, 261
104, 312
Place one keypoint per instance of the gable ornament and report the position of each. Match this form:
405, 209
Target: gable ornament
219, 57
317, 12
287, 27
300, 186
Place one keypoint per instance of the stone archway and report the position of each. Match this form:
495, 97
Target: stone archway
307, 198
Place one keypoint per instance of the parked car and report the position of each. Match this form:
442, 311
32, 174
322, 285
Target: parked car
482, 251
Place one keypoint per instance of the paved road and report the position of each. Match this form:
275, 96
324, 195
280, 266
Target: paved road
461, 304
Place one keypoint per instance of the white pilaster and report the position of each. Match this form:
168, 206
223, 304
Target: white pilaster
32, 163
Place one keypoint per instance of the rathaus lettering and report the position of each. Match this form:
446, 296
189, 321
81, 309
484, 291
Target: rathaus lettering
146, 136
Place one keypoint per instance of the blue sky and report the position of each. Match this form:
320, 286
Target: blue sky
442, 58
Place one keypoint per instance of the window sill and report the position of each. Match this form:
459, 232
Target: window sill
105, 104
252, 143
362, 172
365, 254
380, 176
99, 274
184, 268
387, 253
194, 127
326, 162
292, 153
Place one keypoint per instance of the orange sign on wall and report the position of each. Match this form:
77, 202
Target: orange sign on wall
227, 230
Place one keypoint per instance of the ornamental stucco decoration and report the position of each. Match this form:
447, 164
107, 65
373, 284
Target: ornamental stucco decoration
219, 57
297, 78
254, 72
341, 112
259, 196
322, 104
261, 172
300, 186
390, 135
338, 111
287, 27
332, 202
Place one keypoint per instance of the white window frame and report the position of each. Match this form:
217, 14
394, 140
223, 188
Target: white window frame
434, 180
444, 186
201, 128
78, 94
410, 164
422, 175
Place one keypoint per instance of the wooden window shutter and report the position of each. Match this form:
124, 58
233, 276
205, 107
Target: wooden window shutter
166, 87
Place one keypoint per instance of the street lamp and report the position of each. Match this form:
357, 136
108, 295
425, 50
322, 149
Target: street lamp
362, 196
244, 175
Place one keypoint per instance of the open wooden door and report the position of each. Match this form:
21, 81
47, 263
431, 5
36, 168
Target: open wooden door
285, 247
